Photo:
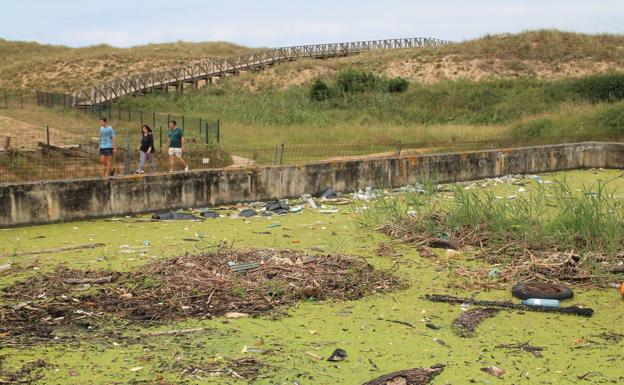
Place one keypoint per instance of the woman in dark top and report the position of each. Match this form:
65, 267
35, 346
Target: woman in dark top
147, 149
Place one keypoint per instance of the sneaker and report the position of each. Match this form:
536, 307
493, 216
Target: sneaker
185, 168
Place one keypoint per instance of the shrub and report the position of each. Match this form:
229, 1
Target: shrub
320, 91
354, 81
612, 119
600, 88
534, 129
397, 85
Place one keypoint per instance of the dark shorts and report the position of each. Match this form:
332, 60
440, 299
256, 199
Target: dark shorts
106, 151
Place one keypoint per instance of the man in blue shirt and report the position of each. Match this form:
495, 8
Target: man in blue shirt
107, 147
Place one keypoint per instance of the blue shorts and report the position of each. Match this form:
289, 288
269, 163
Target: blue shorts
106, 151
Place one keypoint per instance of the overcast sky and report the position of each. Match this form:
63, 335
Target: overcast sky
272, 23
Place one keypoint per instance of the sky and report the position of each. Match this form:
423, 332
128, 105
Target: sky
274, 23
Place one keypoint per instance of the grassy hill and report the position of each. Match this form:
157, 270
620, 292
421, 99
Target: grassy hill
545, 54
528, 87
57, 68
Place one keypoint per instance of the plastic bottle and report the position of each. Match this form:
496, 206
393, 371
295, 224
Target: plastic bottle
541, 302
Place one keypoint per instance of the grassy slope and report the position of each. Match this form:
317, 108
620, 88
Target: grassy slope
502, 86
32, 65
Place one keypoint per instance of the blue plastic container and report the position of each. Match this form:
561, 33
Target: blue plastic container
541, 302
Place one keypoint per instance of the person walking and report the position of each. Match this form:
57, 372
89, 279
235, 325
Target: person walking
107, 147
176, 145
146, 151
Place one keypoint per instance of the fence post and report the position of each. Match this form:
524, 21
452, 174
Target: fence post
168, 119
119, 113
282, 155
218, 131
48, 134
6, 102
22, 98
206, 132
160, 138
200, 125
182, 121
129, 114
275, 154
153, 120
141, 117
128, 157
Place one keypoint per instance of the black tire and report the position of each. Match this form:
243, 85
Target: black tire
526, 290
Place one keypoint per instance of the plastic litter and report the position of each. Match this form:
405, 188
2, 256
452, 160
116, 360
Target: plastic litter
4, 268
541, 302
167, 216
247, 213
296, 209
146, 243
337, 355
210, 214
328, 193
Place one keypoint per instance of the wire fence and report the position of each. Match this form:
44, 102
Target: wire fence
14, 98
197, 129
49, 161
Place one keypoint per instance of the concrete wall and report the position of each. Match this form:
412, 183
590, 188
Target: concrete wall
66, 200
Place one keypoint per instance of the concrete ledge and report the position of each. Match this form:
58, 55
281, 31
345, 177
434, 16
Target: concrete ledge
67, 200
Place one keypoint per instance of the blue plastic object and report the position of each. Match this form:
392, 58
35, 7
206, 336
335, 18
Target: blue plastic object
541, 302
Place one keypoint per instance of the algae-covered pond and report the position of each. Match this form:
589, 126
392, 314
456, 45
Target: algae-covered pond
381, 333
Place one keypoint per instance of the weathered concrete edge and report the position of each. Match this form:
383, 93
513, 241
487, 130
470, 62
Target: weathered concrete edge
68, 200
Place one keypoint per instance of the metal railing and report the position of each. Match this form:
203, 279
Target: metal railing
13, 98
207, 70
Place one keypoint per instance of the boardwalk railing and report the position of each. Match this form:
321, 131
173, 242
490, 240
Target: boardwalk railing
206, 71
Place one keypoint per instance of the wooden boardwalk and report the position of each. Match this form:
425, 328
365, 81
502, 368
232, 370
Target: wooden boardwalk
206, 71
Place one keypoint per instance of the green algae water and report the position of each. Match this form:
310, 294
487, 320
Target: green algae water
576, 349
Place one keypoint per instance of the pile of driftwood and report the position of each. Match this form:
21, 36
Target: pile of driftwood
242, 282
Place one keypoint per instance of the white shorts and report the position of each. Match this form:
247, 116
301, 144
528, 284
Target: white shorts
175, 151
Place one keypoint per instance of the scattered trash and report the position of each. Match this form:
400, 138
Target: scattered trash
494, 273
312, 203
248, 349
273, 225
97, 280
466, 324
146, 243
247, 213
296, 209
526, 290
277, 207
190, 239
339, 201
242, 267
432, 326
168, 216
416, 376
136, 369
441, 243
280, 261
210, 214
337, 355
4, 268
328, 211
541, 302
573, 310
493, 371
235, 315
314, 356
328, 193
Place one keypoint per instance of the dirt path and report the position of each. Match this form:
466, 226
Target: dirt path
26, 135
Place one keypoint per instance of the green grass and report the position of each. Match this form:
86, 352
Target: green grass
450, 111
